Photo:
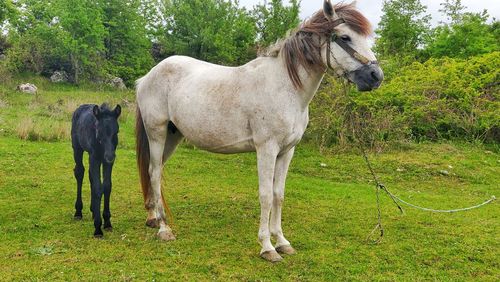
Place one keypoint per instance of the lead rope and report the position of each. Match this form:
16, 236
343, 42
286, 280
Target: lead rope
381, 186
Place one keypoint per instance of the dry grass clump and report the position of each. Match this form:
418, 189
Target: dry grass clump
26, 130
3, 104
41, 130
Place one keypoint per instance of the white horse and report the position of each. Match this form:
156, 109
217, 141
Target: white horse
261, 106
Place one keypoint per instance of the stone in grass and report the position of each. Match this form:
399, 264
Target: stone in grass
323, 165
27, 88
117, 82
59, 76
444, 172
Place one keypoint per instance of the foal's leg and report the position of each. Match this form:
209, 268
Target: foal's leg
79, 171
172, 140
282, 163
157, 140
106, 185
266, 161
96, 193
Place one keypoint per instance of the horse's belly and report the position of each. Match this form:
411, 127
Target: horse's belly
242, 146
218, 137
221, 145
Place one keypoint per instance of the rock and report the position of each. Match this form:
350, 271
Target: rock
117, 82
323, 165
2, 57
27, 88
59, 76
444, 172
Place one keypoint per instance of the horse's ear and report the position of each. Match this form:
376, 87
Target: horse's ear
329, 11
96, 111
117, 111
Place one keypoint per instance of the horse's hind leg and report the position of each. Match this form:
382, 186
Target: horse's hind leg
79, 172
174, 137
157, 140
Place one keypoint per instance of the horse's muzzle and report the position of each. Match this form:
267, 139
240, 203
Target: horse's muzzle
367, 77
109, 158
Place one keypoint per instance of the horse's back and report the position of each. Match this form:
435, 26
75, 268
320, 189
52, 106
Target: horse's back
82, 110
82, 125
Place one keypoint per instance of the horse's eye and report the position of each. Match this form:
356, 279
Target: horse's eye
345, 38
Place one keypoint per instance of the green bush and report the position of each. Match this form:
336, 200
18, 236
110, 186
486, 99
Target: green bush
439, 99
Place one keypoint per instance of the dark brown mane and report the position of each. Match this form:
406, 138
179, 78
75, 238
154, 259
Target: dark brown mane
303, 46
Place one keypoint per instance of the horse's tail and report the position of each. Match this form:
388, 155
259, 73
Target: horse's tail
142, 150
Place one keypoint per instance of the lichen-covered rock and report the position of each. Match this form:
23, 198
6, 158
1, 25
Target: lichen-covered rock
117, 82
27, 88
59, 76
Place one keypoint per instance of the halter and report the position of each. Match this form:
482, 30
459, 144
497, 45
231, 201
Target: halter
353, 53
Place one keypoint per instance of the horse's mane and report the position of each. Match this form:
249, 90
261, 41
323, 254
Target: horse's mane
106, 111
302, 47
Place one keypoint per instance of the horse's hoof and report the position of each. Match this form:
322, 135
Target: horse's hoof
286, 250
153, 223
77, 217
98, 236
166, 235
108, 228
271, 256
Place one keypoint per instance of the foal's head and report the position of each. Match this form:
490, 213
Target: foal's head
107, 129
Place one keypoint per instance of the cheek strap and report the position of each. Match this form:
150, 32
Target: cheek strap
345, 46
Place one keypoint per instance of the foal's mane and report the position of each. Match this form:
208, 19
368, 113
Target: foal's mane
303, 46
106, 111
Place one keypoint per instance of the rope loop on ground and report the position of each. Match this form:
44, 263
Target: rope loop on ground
380, 186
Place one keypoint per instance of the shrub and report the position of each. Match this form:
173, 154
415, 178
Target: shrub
439, 99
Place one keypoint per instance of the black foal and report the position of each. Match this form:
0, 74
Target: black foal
94, 129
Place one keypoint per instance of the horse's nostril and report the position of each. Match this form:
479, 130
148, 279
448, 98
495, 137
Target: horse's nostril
109, 159
375, 76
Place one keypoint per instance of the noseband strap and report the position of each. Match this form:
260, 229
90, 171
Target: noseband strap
353, 53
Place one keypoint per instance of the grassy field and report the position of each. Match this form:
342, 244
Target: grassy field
329, 210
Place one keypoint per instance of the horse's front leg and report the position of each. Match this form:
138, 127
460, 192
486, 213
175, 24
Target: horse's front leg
280, 172
79, 172
96, 193
266, 161
106, 183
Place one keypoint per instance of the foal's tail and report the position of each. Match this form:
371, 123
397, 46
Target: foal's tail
142, 150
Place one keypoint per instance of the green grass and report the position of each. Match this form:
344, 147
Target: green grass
328, 211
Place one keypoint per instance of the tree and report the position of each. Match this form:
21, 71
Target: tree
453, 9
63, 34
127, 47
467, 34
5, 7
6, 11
218, 31
83, 37
274, 20
402, 28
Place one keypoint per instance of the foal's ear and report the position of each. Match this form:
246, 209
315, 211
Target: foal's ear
329, 11
96, 111
117, 111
